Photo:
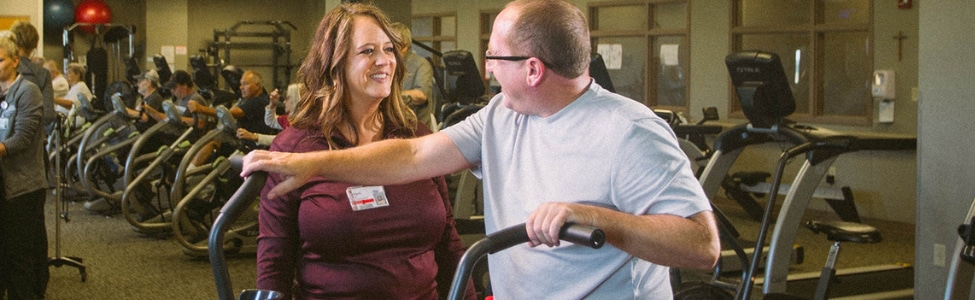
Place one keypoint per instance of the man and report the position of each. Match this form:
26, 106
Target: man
184, 92
148, 88
26, 38
249, 110
554, 147
418, 83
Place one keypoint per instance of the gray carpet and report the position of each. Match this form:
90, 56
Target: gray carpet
122, 264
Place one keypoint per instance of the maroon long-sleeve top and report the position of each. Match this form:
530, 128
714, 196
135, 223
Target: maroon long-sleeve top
313, 245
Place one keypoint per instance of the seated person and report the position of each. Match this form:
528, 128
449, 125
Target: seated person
249, 109
58, 82
148, 88
76, 76
249, 112
271, 118
185, 95
291, 98
317, 243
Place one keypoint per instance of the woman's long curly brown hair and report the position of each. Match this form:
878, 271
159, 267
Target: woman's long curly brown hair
324, 102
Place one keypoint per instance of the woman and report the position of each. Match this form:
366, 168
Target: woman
326, 239
75, 75
23, 237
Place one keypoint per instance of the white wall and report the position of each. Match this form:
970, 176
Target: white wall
946, 172
32, 8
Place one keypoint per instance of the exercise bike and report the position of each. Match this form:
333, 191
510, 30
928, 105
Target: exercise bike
155, 169
766, 99
250, 190
200, 191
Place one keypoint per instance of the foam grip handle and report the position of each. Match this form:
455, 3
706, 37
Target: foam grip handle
583, 235
578, 234
237, 162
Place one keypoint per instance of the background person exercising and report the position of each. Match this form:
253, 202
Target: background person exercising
58, 82
249, 110
554, 147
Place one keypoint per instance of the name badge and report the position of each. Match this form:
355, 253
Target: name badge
4, 123
366, 197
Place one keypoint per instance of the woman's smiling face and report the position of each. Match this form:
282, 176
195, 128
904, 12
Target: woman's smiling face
371, 61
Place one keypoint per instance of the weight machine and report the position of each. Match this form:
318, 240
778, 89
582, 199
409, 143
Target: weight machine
101, 70
280, 46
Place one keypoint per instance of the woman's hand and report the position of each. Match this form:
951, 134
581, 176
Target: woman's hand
247, 135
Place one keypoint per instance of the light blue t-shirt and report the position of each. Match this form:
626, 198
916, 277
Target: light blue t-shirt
602, 149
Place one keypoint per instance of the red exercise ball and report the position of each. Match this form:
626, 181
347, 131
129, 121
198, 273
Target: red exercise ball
92, 11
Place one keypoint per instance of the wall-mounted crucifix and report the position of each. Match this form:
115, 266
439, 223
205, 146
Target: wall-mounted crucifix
900, 44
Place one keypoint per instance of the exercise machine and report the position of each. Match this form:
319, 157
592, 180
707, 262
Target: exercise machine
155, 169
276, 38
242, 200
961, 271
200, 191
102, 148
766, 99
100, 68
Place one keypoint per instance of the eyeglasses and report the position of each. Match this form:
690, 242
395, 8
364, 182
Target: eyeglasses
508, 58
514, 58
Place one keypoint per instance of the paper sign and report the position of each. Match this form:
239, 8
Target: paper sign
669, 54
612, 55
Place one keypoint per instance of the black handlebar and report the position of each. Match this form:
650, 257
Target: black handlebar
229, 213
511, 236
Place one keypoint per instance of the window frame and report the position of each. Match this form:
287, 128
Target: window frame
650, 34
815, 32
436, 40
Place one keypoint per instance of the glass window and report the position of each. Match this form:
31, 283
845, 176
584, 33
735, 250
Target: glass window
773, 12
628, 78
830, 67
670, 16
845, 11
846, 89
650, 42
671, 70
793, 51
622, 17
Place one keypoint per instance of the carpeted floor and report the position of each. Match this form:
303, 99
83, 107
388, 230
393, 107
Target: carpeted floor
122, 264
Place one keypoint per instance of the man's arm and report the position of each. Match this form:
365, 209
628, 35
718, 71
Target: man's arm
196, 107
153, 113
392, 161
668, 240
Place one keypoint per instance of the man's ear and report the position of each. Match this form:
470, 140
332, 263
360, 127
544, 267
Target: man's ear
536, 71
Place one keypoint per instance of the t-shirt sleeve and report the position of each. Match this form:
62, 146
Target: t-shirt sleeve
467, 134
653, 176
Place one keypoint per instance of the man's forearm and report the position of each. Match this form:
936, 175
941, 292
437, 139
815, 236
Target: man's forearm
662, 239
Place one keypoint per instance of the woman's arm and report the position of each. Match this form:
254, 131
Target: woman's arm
27, 121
